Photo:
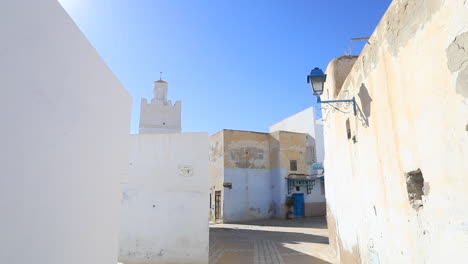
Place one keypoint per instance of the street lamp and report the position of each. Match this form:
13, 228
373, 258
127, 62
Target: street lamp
316, 79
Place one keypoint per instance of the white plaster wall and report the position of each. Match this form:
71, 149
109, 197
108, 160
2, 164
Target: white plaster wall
250, 197
279, 189
302, 122
315, 195
64, 139
319, 141
412, 91
165, 206
160, 117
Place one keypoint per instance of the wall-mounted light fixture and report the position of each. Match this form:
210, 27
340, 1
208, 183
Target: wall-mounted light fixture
316, 79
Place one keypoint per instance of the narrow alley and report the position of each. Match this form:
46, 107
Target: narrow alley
271, 241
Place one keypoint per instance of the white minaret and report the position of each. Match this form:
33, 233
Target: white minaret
160, 116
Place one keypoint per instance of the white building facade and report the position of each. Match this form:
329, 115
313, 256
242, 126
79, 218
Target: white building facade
61, 164
164, 211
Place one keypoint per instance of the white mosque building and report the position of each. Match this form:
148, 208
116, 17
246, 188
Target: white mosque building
167, 184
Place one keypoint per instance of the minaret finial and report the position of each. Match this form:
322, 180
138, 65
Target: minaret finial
160, 75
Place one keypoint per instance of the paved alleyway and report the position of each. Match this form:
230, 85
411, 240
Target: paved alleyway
271, 241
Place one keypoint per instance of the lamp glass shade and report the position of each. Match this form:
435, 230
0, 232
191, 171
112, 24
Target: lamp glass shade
316, 78
317, 85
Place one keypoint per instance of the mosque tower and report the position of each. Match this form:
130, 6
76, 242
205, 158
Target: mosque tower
160, 116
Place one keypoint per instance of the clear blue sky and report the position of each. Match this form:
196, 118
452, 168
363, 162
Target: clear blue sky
235, 64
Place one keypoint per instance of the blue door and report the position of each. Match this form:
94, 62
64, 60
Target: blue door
298, 204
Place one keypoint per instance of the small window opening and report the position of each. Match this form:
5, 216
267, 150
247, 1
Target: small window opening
293, 165
298, 188
415, 188
348, 129
164, 123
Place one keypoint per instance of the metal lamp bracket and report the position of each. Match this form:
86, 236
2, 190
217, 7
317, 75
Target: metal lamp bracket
339, 101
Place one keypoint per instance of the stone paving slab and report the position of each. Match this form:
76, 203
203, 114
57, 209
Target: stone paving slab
271, 241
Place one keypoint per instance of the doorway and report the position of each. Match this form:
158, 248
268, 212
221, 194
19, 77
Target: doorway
217, 205
298, 204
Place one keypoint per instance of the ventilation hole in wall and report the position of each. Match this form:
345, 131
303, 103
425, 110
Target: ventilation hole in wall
415, 188
466, 127
154, 206
348, 129
164, 123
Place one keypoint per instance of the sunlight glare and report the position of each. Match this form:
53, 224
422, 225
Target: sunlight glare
69, 5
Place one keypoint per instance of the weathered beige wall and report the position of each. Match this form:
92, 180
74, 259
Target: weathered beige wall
216, 169
411, 85
293, 146
256, 165
284, 147
246, 149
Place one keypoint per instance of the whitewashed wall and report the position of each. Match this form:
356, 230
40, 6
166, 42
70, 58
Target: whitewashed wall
301, 122
411, 87
160, 115
251, 195
65, 123
157, 117
165, 201
319, 141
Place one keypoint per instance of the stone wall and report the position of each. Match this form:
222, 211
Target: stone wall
397, 172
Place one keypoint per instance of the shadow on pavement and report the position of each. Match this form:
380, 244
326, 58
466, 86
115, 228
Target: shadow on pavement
318, 222
270, 241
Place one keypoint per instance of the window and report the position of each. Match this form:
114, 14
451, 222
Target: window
298, 188
293, 165
322, 187
348, 129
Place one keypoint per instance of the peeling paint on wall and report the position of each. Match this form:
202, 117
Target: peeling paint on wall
405, 18
248, 157
457, 53
462, 83
457, 60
